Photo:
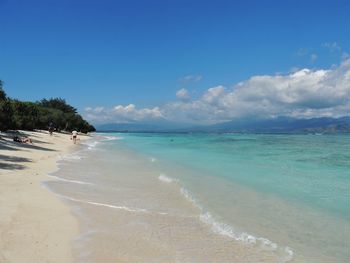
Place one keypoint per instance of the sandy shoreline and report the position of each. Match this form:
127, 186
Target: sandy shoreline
128, 214
35, 226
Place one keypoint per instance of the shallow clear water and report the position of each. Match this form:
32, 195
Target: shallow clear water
288, 193
306, 174
307, 169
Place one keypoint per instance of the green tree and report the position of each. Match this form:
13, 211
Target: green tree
59, 104
6, 113
5, 110
25, 115
15, 114
2, 92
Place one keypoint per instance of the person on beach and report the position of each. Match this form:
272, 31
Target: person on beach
22, 140
51, 128
74, 136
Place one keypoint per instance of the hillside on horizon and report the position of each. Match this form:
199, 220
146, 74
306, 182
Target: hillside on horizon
276, 125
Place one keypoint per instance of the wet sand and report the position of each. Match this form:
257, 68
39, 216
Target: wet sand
128, 214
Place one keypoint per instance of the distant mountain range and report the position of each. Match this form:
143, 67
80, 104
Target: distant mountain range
162, 126
277, 125
287, 125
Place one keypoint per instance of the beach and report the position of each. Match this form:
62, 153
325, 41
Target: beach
129, 213
183, 131
172, 197
124, 197
35, 225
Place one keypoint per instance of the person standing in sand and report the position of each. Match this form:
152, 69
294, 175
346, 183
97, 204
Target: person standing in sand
51, 128
74, 136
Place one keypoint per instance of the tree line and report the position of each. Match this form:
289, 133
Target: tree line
24, 115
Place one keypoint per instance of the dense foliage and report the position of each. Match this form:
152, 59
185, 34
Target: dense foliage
15, 115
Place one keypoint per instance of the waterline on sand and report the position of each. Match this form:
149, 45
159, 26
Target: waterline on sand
163, 194
69, 181
228, 230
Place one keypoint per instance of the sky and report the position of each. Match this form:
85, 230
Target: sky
184, 61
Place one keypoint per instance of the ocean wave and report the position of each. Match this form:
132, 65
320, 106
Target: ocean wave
125, 208
92, 145
112, 138
189, 197
289, 254
166, 179
70, 181
229, 231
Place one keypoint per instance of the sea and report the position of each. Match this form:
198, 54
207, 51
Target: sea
209, 197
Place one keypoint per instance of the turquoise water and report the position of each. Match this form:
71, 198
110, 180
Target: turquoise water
291, 189
312, 170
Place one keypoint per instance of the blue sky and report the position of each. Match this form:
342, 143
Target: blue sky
101, 55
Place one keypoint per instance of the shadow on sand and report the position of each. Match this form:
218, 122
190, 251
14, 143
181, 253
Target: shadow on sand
11, 166
7, 145
12, 162
14, 158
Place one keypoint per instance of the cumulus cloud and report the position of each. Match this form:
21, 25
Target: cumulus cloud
301, 94
183, 94
94, 110
122, 114
304, 93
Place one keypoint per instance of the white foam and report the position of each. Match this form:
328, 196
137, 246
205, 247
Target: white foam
70, 181
189, 197
229, 231
153, 159
112, 138
166, 179
125, 208
263, 243
289, 255
92, 145
163, 213
70, 157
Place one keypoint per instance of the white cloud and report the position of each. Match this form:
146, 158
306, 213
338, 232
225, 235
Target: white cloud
94, 110
183, 94
213, 95
332, 46
303, 52
304, 93
122, 114
192, 78
345, 56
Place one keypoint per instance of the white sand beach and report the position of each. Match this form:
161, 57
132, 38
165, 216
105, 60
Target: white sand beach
35, 226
